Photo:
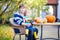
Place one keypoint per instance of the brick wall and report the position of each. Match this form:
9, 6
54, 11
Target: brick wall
52, 1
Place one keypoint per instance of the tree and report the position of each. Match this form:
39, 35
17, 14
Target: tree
7, 7
35, 4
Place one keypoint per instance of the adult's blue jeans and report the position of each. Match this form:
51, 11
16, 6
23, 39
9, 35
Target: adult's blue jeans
16, 30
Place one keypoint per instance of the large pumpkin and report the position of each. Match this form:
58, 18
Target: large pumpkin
50, 18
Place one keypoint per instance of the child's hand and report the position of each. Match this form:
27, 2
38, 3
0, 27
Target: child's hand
23, 24
30, 19
26, 24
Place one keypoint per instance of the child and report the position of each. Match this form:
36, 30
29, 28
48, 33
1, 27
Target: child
19, 20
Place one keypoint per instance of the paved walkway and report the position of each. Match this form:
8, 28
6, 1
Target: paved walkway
49, 32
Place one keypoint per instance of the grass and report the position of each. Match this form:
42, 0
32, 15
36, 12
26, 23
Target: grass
5, 25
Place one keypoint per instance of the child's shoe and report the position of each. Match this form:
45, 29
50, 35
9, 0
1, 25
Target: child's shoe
27, 32
35, 35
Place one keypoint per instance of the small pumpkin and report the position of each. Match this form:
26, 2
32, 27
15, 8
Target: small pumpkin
50, 18
37, 20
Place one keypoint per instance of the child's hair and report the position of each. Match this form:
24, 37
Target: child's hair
21, 5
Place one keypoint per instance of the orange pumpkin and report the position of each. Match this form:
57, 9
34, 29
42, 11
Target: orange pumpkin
50, 18
37, 20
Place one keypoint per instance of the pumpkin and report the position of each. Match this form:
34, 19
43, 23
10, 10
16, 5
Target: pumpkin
50, 18
37, 20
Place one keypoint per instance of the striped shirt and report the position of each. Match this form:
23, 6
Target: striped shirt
18, 18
